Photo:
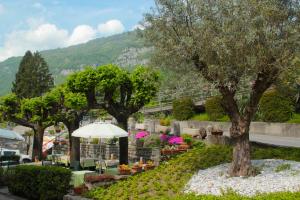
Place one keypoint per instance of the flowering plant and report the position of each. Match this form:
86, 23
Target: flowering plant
175, 140
141, 135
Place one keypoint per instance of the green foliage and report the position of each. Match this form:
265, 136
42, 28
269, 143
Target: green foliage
214, 109
168, 180
165, 121
39, 182
139, 117
183, 109
187, 138
204, 117
233, 196
283, 167
295, 119
33, 78
274, 107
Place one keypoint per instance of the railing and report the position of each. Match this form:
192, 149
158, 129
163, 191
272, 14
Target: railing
198, 97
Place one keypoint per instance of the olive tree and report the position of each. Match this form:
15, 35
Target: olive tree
229, 41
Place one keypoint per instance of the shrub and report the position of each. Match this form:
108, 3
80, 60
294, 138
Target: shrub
165, 122
39, 182
183, 109
187, 138
274, 107
214, 108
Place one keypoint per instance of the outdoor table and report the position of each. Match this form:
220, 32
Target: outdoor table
112, 163
77, 178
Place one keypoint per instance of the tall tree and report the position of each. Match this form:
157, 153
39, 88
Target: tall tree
69, 108
229, 41
120, 93
33, 77
36, 113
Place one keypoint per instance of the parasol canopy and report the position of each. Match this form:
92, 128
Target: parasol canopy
100, 130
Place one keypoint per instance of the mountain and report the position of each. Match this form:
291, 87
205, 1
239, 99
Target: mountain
126, 50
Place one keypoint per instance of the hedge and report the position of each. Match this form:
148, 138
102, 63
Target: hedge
214, 108
183, 109
39, 182
274, 107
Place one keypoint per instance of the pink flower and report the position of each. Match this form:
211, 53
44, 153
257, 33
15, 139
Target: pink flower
141, 134
175, 140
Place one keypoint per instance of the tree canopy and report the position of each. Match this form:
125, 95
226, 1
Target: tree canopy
116, 90
234, 45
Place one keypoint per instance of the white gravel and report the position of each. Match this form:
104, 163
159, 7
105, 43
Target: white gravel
216, 181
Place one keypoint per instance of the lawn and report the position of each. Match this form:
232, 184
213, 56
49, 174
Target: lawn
168, 180
204, 117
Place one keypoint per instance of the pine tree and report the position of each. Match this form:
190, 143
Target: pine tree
33, 77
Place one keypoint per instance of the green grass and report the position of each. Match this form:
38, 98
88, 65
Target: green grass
282, 167
295, 119
168, 180
204, 117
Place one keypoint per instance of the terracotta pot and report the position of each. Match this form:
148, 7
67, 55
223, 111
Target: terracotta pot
136, 169
124, 172
149, 167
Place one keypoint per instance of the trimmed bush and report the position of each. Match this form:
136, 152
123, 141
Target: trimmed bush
214, 108
183, 109
274, 107
39, 182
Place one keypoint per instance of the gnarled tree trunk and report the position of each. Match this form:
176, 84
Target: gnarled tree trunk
241, 160
123, 142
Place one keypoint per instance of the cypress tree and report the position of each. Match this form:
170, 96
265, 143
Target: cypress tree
33, 77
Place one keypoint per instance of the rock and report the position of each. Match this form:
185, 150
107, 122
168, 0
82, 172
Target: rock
216, 179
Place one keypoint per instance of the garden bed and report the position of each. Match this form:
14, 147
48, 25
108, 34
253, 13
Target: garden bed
168, 180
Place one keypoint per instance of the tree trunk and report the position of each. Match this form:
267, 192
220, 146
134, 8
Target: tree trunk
241, 161
37, 150
123, 142
74, 142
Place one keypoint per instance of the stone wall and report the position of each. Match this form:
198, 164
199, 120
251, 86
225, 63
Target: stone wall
262, 128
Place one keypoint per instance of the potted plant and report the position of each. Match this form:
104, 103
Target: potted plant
136, 168
140, 138
80, 189
183, 147
150, 165
124, 170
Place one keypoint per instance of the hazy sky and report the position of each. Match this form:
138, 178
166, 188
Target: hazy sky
46, 24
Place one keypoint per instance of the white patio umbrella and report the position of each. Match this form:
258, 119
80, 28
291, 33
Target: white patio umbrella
100, 130
7, 134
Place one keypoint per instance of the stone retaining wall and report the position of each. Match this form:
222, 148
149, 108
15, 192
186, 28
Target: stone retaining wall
262, 128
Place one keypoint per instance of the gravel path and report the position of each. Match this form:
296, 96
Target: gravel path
275, 176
